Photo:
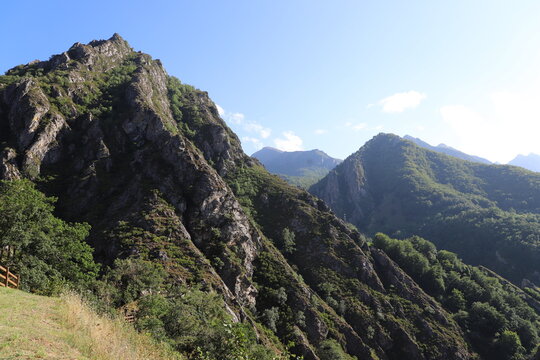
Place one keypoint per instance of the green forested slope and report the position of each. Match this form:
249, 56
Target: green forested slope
495, 314
488, 214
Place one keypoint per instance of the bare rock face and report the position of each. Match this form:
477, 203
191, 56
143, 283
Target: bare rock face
27, 105
105, 140
348, 178
8, 167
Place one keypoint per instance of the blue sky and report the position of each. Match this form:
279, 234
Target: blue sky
325, 74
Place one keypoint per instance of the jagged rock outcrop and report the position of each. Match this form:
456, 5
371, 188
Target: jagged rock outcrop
150, 165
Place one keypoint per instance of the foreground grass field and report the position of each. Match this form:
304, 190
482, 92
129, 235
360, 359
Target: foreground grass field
37, 327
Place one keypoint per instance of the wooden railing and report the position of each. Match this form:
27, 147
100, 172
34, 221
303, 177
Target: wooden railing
129, 312
8, 279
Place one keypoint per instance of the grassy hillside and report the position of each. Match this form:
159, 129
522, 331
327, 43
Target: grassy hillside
38, 327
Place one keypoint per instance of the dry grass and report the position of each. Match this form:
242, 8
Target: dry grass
36, 327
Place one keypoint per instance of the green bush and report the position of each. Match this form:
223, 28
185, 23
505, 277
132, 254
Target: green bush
330, 349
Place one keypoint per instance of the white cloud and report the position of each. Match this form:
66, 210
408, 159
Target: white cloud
401, 101
236, 118
509, 124
290, 142
220, 110
320, 131
233, 117
356, 127
254, 127
256, 142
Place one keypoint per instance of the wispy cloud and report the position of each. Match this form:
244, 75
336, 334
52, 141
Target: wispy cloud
320, 131
254, 127
356, 126
289, 142
256, 142
238, 118
400, 102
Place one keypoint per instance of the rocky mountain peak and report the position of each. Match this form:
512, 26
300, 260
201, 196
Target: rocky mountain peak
114, 49
97, 55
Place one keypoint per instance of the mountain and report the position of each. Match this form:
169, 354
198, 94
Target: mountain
445, 149
164, 184
488, 214
302, 168
208, 251
529, 162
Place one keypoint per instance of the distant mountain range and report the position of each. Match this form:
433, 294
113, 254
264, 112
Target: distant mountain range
448, 150
529, 162
302, 168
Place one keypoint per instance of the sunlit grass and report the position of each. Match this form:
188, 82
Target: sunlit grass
37, 327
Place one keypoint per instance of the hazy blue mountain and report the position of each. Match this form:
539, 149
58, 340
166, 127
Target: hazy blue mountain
529, 162
302, 168
448, 150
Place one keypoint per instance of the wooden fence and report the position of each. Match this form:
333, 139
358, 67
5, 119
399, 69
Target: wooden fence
8, 279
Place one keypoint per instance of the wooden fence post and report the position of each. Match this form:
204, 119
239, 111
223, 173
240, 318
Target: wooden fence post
7, 276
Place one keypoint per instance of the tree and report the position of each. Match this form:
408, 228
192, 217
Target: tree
330, 349
456, 301
131, 278
508, 345
486, 318
45, 250
270, 318
288, 243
